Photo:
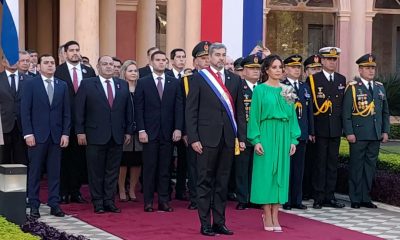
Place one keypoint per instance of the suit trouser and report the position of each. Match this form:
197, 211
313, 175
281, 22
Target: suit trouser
296, 174
191, 157
308, 170
14, 149
213, 171
326, 164
73, 168
156, 162
181, 168
103, 163
243, 173
47, 153
363, 158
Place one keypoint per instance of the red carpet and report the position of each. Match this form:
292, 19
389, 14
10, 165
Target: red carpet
133, 223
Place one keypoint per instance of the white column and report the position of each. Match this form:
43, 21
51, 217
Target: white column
146, 29
67, 21
108, 23
87, 28
357, 34
192, 28
175, 24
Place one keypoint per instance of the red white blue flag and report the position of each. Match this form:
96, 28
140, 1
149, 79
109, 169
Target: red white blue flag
9, 30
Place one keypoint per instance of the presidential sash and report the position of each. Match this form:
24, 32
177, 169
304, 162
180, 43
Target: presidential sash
224, 96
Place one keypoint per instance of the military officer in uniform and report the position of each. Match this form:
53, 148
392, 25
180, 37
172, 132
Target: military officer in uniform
244, 162
312, 65
201, 60
327, 88
237, 64
365, 124
304, 111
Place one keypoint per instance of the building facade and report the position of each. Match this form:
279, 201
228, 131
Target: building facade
127, 28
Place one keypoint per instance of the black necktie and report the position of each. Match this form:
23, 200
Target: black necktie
13, 86
179, 76
330, 78
370, 88
296, 87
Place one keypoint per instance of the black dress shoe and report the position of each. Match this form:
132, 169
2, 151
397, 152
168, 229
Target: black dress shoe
221, 229
317, 205
334, 203
207, 231
148, 208
64, 199
112, 208
56, 211
192, 206
99, 209
300, 206
287, 206
35, 213
355, 205
78, 199
241, 206
368, 205
165, 207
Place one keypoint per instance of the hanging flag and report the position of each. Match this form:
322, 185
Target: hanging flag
236, 23
9, 31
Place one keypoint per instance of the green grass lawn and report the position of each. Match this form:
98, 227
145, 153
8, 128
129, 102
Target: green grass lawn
11, 231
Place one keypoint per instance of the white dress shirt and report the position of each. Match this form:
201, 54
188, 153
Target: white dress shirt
16, 78
328, 74
221, 71
366, 83
176, 73
78, 71
251, 85
46, 83
104, 84
292, 81
155, 76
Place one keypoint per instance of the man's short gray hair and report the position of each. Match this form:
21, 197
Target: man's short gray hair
215, 46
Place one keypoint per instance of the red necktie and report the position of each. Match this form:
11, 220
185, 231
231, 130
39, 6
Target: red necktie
110, 97
75, 79
219, 74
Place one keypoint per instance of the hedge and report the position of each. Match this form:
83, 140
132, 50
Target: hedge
9, 230
394, 131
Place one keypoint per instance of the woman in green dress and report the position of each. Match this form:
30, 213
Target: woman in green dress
273, 130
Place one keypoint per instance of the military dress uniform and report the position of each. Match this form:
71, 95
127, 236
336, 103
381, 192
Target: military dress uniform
311, 62
365, 115
244, 161
327, 92
304, 111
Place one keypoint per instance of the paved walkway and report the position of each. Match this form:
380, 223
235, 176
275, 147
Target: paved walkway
383, 222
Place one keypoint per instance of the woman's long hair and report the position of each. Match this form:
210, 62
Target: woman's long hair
266, 64
124, 66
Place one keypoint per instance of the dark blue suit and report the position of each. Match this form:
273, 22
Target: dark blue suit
306, 122
47, 122
159, 118
105, 128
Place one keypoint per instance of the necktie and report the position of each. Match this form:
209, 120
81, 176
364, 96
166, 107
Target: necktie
220, 77
75, 79
179, 75
330, 78
254, 86
296, 87
50, 90
13, 86
110, 96
370, 88
159, 87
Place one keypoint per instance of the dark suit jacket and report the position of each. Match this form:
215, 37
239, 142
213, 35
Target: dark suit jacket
39, 117
94, 116
158, 117
329, 124
9, 103
306, 116
62, 73
144, 71
206, 117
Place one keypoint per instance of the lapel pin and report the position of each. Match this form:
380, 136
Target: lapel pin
118, 85
84, 70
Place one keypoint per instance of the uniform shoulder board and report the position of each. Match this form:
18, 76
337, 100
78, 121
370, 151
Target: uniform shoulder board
379, 83
352, 83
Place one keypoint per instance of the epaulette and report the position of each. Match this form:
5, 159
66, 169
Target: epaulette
379, 83
352, 83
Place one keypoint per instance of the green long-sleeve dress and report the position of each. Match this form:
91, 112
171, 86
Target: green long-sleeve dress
273, 123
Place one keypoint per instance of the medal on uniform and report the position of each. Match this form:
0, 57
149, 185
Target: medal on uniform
341, 87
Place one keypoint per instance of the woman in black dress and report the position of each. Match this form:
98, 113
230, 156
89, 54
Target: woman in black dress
132, 156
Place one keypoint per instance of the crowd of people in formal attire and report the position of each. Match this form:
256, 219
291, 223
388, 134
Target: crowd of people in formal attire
261, 130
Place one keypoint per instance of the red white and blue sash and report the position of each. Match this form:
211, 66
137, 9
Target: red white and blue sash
222, 93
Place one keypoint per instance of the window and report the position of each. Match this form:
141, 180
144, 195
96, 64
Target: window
387, 4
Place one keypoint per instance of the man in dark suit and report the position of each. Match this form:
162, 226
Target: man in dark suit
11, 90
73, 161
148, 69
365, 123
23, 63
305, 116
159, 120
327, 88
45, 114
215, 125
103, 122
244, 161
